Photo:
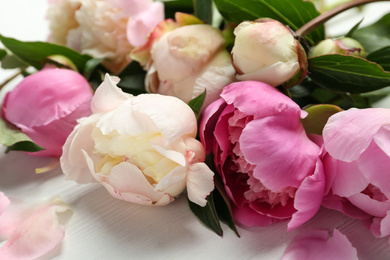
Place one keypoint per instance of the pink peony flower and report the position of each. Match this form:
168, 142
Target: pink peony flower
184, 58
46, 105
319, 245
358, 162
107, 29
30, 231
269, 166
142, 148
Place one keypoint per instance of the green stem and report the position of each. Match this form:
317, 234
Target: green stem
12, 78
321, 19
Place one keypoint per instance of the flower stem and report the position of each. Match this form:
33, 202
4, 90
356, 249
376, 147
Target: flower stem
321, 19
11, 78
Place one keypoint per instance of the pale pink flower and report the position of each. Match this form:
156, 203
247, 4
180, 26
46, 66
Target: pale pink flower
266, 50
270, 168
107, 29
184, 60
30, 231
46, 105
320, 245
142, 148
358, 163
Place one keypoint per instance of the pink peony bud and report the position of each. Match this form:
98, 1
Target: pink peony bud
46, 105
265, 50
347, 46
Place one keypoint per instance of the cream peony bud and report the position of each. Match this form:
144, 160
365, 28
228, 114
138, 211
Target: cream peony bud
347, 46
265, 50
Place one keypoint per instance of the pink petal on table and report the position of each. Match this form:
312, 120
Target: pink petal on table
316, 244
39, 233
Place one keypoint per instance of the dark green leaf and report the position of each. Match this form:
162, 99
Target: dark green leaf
132, 79
294, 13
375, 36
90, 67
16, 139
25, 146
204, 10
354, 29
3, 53
223, 206
351, 74
382, 57
12, 62
184, 6
34, 53
196, 103
207, 215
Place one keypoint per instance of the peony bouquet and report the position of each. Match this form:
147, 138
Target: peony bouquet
248, 107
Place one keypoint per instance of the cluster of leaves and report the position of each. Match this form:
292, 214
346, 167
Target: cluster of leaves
342, 80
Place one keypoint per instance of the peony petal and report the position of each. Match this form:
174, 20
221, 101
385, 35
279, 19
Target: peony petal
308, 197
37, 234
108, 96
348, 179
51, 93
172, 117
371, 206
208, 122
346, 134
4, 202
275, 74
382, 139
343, 205
200, 183
72, 161
126, 177
53, 135
248, 217
214, 78
316, 244
171, 155
283, 154
375, 164
140, 26
259, 99
174, 182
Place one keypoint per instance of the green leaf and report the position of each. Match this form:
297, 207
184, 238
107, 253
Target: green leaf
207, 215
375, 36
132, 79
15, 139
196, 103
354, 29
382, 57
34, 52
90, 67
12, 62
223, 205
351, 74
171, 7
204, 10
3, 53
294, 13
